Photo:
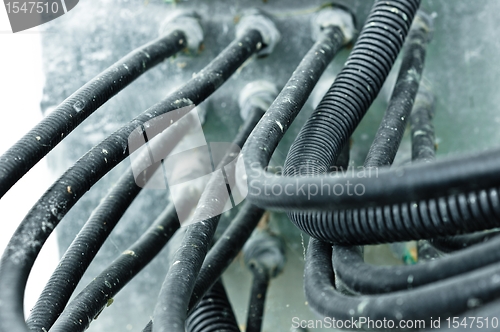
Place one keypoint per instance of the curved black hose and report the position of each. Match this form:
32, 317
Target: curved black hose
458, 242
257, 302
225, 250
473, 177
80, 312
173, 301
364, 278
25, 245
448, 297
91, 237
33, 146
213, 313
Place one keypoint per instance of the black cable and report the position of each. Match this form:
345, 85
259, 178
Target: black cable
81, 252
410, 220
449, 297
217, 260
33, 146
213, 313
80, 312
364, 278
148, 327
423, 142
437, 184
458, 242
91, 237
382, 152
264, 255
25, 245
225, 250
171, 308
257, 302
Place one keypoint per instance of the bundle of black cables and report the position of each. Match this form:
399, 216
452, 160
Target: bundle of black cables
34, 230
425, 200
440, 201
